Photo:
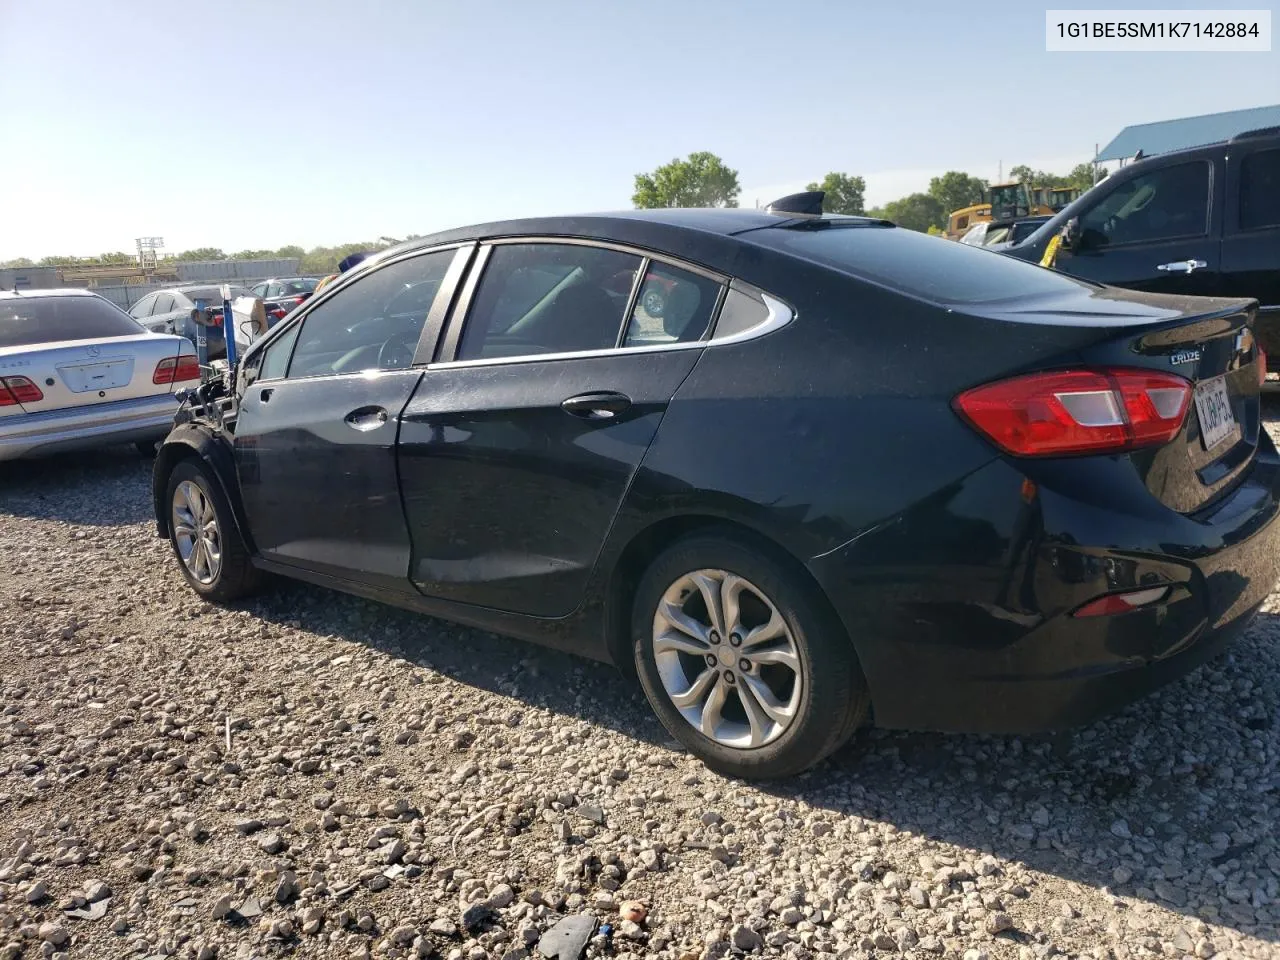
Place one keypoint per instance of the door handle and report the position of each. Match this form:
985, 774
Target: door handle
1182, 266
366, 418
265, 393
597, 406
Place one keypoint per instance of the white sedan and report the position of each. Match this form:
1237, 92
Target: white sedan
76, 371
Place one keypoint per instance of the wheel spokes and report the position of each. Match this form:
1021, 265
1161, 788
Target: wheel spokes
697, 690
711, 710
676, 617
709, 587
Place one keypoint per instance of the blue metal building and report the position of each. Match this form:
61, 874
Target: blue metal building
1167, 135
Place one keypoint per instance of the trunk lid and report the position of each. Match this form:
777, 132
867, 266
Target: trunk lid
1208, 341
86, 372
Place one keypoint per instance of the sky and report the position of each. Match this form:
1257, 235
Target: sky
251, 124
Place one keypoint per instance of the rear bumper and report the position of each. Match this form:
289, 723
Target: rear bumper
80, 428
980, 638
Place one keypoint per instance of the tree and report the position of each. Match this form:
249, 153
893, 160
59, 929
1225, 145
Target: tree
290, 251
1081, 176
18, 262
918, 211
702, 180
202, 253
844, 194
253, 255
956, 190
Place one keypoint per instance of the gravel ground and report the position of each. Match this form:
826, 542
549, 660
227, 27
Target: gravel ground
314, 775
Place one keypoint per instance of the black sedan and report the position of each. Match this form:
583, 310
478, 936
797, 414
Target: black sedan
850, 472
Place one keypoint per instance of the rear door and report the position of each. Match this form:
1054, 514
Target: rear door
316, 429
517, 449
1159, 231
1251, 240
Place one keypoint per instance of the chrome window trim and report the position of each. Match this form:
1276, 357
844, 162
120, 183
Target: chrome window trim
779, 316
635, 251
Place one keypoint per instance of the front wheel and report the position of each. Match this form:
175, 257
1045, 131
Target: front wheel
742, 660
205, 538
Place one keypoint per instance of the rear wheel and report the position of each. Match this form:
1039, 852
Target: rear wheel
742, 660
205, 538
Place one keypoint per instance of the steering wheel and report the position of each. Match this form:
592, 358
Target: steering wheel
396, 352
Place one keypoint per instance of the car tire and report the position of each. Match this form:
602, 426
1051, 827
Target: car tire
205, 538
770, 707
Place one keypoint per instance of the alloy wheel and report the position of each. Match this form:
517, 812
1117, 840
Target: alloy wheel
196, 532
727, 659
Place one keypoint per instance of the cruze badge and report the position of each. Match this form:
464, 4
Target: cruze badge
1185, 356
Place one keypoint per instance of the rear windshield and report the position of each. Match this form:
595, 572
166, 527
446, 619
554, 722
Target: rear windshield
25, 321
300, 286
932, 268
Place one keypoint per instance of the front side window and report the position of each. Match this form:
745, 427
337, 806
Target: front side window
274, 289
259, 291
1260, 190
674, 306
373, 324
275, 358
540, 298
1161, 205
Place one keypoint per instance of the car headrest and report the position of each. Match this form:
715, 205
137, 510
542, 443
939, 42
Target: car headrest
682, 304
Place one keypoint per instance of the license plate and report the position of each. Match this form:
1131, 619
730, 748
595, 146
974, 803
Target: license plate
107, 375
1214, 408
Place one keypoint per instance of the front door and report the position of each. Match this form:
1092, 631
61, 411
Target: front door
1251, 241
316, 430
1158, 232
515, 457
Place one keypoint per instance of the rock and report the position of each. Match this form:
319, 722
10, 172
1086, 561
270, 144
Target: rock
744, 938
1120, 828
286, 887
249, 826
632, 911
568, 938
591, 812
1121, 875
96, 890
271, 843
443, 927
998, 922
37, 892
906, 937
475, 915
711, 818
312, 920
791, 916
882, 941
500, 897
976, 953
1204, 949
630, 930
222, 906
404, 935
53, 933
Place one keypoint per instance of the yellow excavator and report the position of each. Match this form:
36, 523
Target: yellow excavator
1010, 201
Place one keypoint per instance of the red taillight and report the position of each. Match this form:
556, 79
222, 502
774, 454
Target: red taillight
15, 390
1114, 603
298, 300
277, 313
1078, 411
215, 317
177, 369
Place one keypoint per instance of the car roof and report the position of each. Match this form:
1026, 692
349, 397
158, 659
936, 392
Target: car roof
672, 229
51, 292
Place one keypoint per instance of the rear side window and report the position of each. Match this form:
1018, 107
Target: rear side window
548, 298
1260, 190
26, 321
674, 306
932, 268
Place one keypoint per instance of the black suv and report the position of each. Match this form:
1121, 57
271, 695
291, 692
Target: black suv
1204, 221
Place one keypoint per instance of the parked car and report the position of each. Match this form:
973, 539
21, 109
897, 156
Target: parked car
999, 234
280, 296
76, 372
169, 311
1204, 221
853, 472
